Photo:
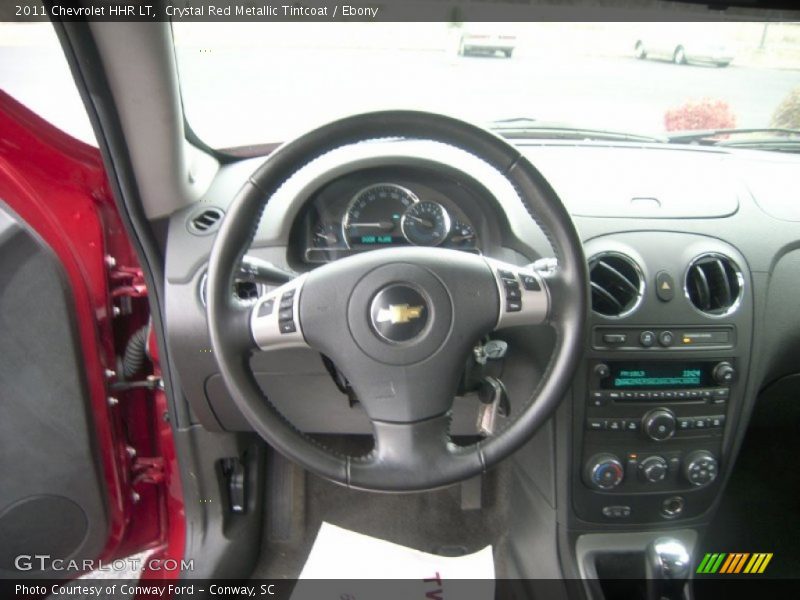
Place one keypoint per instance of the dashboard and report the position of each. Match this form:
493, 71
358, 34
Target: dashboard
694, 257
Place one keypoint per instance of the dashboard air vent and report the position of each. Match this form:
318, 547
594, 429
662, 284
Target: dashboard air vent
617, 284
714, 284
206, 221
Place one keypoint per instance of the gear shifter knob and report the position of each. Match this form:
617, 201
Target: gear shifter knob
667, 568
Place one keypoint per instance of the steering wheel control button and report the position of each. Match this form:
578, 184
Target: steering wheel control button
665, 286
530, 283
524, 299
666, 338
287, 327
659, 424
399, 313
273, 321
266, 308
513, 306
647, 338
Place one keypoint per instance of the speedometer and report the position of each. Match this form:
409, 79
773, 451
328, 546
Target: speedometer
373, 215
426, 224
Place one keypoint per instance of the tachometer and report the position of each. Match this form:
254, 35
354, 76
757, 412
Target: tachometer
426, 224
374, 214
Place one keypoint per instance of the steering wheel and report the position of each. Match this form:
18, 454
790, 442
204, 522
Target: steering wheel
399, 323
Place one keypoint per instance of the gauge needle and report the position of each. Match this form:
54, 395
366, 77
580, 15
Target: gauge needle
385, 225
421, 221
328, 237
461, 238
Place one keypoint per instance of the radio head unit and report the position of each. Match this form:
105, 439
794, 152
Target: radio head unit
649, 375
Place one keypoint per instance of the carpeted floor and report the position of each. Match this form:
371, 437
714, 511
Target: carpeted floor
431, 522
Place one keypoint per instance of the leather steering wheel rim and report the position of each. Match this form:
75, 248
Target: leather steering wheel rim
413, 451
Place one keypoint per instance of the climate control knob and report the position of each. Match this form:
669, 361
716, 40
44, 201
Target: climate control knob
604, 472
659, 424
653, 469
700, 468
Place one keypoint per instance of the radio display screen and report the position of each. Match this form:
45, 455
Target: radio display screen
658, 375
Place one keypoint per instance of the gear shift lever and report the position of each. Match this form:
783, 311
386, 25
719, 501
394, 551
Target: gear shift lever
667, 569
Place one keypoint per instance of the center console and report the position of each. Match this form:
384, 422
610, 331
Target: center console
653, 434
656, 406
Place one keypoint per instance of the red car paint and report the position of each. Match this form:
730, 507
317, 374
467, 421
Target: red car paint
59, 187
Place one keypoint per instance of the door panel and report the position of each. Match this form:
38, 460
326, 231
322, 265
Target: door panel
87, 459
53, 500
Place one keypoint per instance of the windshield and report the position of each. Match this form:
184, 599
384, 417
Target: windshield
257, 83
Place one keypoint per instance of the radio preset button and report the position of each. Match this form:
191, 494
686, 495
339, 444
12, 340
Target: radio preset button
615, 338
595, 424
685, 423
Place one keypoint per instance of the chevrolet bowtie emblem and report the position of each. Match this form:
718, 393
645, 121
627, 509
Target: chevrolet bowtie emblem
399, 313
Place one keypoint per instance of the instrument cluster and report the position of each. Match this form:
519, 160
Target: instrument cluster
366, 211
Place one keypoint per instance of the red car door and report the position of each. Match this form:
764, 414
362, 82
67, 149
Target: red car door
86, 451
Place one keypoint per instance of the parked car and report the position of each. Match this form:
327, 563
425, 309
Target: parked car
684, 43
487, 42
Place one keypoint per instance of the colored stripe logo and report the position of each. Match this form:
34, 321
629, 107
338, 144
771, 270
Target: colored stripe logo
734, 563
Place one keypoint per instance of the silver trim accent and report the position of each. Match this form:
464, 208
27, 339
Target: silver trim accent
739, 278
357, 195
639, 272
535, 305
266, 330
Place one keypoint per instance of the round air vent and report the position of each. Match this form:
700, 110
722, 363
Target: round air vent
714, 284
617, 284
206, 221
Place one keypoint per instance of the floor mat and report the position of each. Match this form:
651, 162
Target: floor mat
430, 522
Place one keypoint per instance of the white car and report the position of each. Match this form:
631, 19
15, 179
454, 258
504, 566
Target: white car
684, 43
487, 42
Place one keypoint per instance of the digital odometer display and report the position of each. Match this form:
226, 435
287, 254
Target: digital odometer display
647, 375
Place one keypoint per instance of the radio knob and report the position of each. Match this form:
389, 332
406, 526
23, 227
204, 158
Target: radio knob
700, 468
601, 370
604, 472
724, 373
653, 469
659, 424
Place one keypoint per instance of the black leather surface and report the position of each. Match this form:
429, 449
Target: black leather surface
407, 395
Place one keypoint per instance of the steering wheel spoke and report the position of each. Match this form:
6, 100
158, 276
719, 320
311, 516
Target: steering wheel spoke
275, 318
524, 295
415, 455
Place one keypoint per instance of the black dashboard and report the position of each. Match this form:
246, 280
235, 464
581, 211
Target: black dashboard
694, 255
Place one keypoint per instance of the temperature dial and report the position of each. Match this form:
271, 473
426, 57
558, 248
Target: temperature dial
604, 472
